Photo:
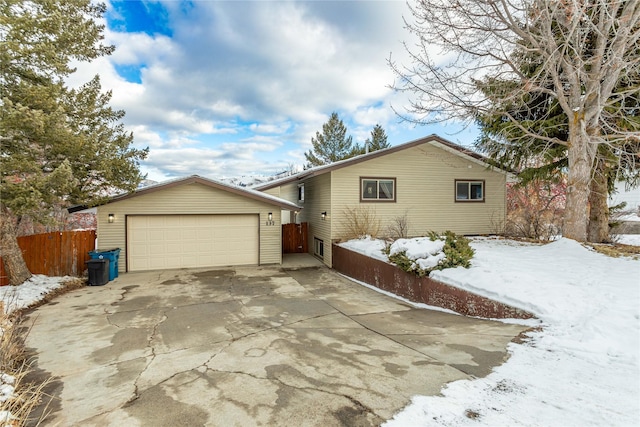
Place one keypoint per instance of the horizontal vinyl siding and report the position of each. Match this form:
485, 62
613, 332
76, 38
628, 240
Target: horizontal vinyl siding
425, 177
189, 199
289, 192
317, 199
275, 191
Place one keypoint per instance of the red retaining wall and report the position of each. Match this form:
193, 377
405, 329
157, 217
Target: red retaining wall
419, 289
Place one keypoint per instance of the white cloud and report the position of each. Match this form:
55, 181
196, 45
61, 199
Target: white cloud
139, 48
248, 69
205, 162
274, 128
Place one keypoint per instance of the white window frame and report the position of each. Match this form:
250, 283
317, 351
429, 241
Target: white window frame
301, 193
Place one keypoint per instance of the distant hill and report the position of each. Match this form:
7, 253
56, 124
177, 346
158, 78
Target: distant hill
146, 183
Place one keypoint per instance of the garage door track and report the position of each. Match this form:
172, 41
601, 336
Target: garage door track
249, 346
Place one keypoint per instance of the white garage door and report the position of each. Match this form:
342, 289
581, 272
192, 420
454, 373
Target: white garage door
159, 242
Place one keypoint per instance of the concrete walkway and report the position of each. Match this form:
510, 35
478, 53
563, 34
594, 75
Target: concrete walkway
248, 346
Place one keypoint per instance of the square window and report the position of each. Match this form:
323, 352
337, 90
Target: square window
469, 191
378, 189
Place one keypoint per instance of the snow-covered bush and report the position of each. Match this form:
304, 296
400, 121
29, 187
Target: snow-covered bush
422, 255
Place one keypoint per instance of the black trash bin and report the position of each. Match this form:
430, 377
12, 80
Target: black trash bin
113, 255
98, 271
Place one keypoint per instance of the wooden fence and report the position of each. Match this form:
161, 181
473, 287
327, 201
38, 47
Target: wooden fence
60, 253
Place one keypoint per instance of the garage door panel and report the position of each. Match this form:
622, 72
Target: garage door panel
190, 241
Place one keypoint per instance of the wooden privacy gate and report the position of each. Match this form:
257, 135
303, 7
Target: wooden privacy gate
294, 238
60, 253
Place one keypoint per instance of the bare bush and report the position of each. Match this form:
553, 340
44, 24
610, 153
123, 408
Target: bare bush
399, 227
497, 223
535, 210
19, 397
360, 221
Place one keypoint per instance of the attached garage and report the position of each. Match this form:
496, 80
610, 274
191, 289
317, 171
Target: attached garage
193, 222
156, 242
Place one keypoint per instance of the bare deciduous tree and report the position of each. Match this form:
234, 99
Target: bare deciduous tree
585, 48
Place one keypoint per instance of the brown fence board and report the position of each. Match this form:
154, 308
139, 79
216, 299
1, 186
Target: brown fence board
60, 253
294, 238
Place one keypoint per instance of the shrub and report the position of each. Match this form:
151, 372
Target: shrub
399, 227
403, 262
535, 209
456, 249
18, 396
360, 222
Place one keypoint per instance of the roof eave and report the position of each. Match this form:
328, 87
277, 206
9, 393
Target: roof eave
195, 179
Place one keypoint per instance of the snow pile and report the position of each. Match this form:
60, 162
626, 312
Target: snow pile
33, 290
581, 368
423, 251
373, 248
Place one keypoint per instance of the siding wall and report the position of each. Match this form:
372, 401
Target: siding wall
425, 190
425, 177
287, 192
189, 199
317, 199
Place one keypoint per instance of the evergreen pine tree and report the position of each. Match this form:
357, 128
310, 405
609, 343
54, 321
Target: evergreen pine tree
58, 145
331, 145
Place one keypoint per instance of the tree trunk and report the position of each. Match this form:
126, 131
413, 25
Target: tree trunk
599, 208
576, 216
12, 258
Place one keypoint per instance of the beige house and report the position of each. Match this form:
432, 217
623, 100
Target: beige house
436, 184
192, 222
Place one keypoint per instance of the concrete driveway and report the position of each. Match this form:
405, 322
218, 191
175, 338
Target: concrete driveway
249, 346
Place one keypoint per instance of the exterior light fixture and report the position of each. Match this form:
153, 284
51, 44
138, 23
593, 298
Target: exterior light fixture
270, 219
111, 218
324, 215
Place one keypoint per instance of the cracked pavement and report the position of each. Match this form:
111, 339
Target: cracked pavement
245, 346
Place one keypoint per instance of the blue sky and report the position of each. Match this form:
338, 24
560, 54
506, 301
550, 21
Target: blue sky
239, 88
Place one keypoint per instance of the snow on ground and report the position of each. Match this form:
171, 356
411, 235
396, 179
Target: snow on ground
630, 216
31, 291
367, 246
581, 368
14, 298
629, 239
